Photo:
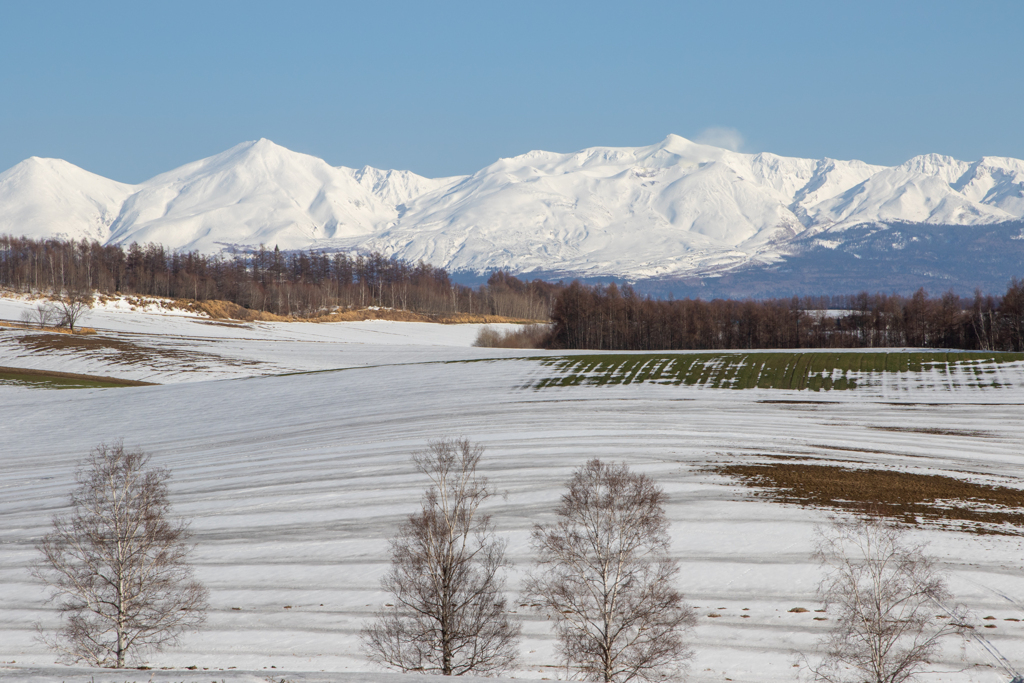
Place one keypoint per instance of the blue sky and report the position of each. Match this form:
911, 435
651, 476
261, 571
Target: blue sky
128, 90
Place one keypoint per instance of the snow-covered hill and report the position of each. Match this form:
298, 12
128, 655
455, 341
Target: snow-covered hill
671, 209
43, 198
261, 193
633, 212
295, 483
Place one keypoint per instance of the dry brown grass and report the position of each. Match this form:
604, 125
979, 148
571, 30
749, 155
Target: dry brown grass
409, 316
907, 497
120, 351
372, 314
225, 310
56, 330
463, 318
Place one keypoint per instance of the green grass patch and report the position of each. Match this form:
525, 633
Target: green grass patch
795, 370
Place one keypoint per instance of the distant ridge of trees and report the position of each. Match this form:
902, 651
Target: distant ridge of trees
312, 283
614, 318
301, 283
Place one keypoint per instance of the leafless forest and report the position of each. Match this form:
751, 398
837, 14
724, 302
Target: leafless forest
304, 284
310, 284
613, 318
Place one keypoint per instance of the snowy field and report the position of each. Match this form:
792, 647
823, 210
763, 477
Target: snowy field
295, 482
161, 346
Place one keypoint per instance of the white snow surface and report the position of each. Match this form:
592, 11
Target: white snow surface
672, 208
261, 193
153, 344
43, 198
295, 483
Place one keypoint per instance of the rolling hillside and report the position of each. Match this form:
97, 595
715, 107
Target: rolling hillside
295, 482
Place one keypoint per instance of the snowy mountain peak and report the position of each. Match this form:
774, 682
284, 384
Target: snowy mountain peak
45, 167
42, 198
995, 181
671, 208
683, 147
44, 163
398, 188
945, 168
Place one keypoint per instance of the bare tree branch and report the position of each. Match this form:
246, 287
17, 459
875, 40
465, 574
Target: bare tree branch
447, 577
43, 315
117, 564
889, 600
72, 306
605, 578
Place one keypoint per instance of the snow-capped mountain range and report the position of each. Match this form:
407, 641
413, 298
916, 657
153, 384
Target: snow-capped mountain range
673, 209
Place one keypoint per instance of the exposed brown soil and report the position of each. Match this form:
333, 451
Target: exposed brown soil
117, 350
904, 496
69, 375
937, 430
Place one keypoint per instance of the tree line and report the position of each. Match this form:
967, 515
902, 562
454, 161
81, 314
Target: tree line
119, 571
314, 283
300, 283
613, 318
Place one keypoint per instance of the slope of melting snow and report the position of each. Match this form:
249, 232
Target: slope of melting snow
29, 674
161, 346
295, 483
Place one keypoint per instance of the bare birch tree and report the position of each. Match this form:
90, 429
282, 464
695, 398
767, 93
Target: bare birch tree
447, 577
889, 600
42, 315
606, 579
117, 563
72, 306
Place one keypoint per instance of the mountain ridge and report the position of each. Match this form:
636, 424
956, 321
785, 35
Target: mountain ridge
676, 208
